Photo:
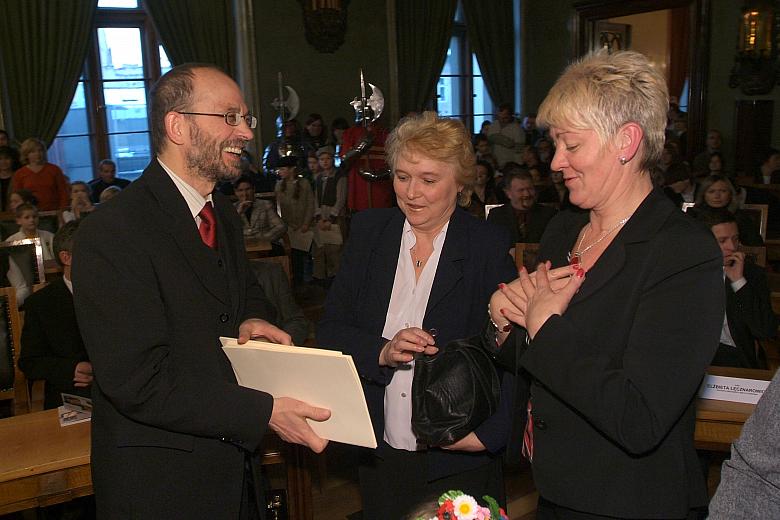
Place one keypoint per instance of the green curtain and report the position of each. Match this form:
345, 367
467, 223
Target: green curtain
424, 31
491, 35
201, 30
43, 45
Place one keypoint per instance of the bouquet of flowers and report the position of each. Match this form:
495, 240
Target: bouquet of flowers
456, 505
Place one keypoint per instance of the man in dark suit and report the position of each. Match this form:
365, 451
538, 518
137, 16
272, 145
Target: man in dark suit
749, 314
161, 274
106, 178
522, 216
53, 348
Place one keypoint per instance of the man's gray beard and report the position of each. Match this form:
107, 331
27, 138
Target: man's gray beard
198, 162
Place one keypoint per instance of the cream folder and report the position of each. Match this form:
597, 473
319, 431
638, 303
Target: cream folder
319, 377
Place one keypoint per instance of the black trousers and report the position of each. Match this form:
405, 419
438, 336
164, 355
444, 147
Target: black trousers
546, 510
396, 486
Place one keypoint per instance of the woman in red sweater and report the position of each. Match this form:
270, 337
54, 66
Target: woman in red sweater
44, 179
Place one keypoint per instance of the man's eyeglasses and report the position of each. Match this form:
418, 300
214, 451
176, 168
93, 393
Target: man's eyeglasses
231, 118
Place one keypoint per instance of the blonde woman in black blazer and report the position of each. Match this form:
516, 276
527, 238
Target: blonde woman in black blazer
615, 339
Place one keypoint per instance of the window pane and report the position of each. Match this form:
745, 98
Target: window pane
76, 120
74, 156
125, 106
120, 52
131, 153
452, 63
165, 63
483, 105
120, 4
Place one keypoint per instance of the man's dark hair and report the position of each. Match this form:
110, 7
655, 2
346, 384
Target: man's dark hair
109, 162
242, 179
10, 153
172, 92
506, 106
511, 168
479, 138
21, 208
713, 216
522, 174
767, 154
63, 239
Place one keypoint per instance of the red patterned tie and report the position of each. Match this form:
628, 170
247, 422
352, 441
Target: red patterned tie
528, 435
208, 225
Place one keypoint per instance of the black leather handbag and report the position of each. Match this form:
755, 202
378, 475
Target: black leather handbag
453, 392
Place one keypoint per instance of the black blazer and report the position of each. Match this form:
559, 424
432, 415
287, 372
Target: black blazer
749, 313
614, 379
474, 259
51, 342
170, 427
538, 218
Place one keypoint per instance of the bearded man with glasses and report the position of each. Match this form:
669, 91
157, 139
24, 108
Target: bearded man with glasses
163, 275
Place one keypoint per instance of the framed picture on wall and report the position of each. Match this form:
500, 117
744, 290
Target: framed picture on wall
612, 36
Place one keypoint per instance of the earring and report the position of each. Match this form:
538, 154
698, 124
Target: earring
623, 160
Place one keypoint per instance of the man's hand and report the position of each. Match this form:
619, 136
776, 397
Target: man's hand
288, 420
82, 376
257, 328
734, 266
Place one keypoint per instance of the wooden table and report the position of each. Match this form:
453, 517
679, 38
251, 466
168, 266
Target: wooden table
719, 423
257, 248
44, 464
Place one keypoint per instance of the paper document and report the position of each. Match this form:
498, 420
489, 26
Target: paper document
319, 377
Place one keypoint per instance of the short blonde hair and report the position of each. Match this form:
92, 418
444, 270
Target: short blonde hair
707, 183
602, 92
437, 138
30, 144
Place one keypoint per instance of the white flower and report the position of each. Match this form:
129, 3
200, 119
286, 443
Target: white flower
466, 507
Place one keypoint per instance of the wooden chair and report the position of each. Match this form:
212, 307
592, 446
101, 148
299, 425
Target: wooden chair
28, 256
759, 213
525, 255
755, 254
13, 384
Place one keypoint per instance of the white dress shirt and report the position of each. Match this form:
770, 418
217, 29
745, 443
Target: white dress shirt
195, 201
408, 302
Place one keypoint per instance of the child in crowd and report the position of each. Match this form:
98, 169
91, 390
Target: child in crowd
296, 203
80, 201
27, 218
109, 193
19, 197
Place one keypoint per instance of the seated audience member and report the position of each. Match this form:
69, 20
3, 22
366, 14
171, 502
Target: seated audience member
484, 190
259, 217
749, 313
44, 179
329, 208
80, 202
702, 161
506, 136
556, 192
483, 151
532, 133
315, 134
522, 216
106, 177
678, 184
770, 163
109, 193
52, 348
9, 163
5, 139
715, 165
545, 150
717, 192
18, 197
296, 204
27, 218
276, 286
750, 480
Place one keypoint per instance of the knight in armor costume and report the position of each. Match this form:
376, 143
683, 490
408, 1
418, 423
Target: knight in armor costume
363, 153
287, 144
380, 190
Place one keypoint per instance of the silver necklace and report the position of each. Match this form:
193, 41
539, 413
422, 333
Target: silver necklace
417, 261
579, 252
